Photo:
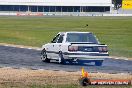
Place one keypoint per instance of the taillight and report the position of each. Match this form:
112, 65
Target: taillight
72, 48
103, 49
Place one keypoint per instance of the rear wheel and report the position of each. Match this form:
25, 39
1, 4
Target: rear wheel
98, 63
61, 58
44, 56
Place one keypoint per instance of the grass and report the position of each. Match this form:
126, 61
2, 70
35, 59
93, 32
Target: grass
116, 32
78, 86
8, 85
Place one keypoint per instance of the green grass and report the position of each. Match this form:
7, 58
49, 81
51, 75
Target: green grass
116, 32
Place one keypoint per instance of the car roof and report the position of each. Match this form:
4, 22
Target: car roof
72, 32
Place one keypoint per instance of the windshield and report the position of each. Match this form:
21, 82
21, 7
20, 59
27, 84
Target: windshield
81, 37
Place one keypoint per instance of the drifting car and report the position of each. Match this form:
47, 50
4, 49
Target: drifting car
75, 47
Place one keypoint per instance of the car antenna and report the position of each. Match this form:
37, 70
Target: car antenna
86, 25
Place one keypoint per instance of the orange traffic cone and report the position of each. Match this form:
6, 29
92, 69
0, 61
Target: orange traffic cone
84, 80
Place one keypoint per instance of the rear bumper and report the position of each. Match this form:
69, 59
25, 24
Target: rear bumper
86, 56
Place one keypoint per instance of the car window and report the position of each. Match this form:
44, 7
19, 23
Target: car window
55, 39
60, 39
81, 37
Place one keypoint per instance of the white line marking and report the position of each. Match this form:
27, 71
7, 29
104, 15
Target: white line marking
29, 48
7, 67
21, 47
116, 58
6, 45
41, 49
37, 49
24, 47
41, 69
126, 59
122, 73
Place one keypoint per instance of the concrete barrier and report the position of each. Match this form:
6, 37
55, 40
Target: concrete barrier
59, 14
8, 14
117, 14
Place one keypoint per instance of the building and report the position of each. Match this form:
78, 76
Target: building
55, 5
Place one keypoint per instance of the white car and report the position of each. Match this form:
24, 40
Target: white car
74, 47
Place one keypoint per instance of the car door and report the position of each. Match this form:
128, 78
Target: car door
52, 47
58, 45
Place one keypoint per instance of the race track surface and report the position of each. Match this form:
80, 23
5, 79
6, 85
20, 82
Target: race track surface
29, 58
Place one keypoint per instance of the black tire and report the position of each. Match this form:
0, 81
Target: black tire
84, 81
98, 63
62, 58
44, 56
70, 62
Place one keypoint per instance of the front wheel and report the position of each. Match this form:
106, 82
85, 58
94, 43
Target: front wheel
44, 56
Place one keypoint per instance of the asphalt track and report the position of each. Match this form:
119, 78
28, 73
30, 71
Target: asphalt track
30, 58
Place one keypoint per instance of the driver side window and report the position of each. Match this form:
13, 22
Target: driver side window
60, 39
55, 39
